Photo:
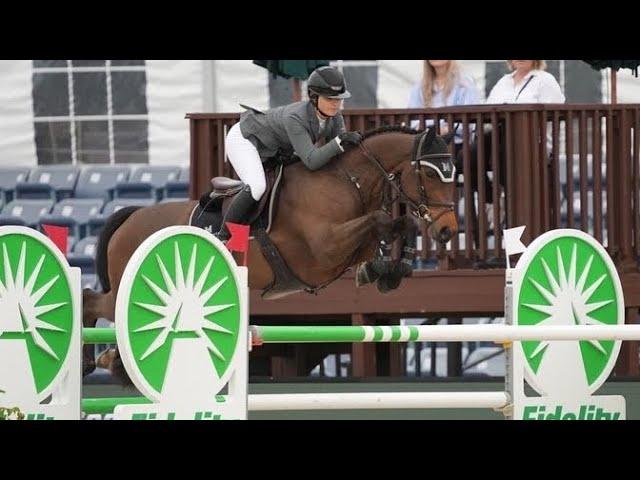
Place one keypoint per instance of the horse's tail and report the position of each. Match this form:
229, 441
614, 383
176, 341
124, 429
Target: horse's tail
110, 226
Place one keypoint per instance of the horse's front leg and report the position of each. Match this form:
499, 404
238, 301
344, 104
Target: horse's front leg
341, 241
406, 228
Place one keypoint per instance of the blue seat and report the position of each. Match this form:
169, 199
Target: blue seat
83, 255
84, 262
99, 182
25, 212
178, 188
87, 246
89, 280
55, 182
9, 178
96, 223
74, 213
147, 182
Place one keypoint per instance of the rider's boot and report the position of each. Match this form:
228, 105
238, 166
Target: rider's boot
241, 205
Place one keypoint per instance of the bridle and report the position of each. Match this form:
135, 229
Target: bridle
420, 210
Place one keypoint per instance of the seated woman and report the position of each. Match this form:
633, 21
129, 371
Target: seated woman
443, 84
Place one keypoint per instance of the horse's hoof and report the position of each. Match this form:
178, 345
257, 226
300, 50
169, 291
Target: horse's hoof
365, 275
88, 367
105, 359
405, 268
361, 276
386, 283
88, 362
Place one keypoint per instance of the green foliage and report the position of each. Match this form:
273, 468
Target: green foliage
10, 413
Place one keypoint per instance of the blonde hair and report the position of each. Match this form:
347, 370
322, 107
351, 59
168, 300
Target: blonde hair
537, 64
429, 80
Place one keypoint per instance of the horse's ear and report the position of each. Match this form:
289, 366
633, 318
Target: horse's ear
449, 136
430, 136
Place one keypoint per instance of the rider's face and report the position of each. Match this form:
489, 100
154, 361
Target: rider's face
329, 106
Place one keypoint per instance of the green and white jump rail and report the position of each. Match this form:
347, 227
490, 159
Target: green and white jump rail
419, 333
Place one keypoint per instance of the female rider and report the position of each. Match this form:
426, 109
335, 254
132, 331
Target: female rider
314, 130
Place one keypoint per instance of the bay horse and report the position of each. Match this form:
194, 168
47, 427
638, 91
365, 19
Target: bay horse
327, 220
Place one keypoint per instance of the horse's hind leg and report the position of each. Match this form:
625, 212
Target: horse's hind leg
94, 305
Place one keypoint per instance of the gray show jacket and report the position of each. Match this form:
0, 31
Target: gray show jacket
292, 129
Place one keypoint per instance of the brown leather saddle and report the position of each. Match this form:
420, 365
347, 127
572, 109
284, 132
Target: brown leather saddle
210, 211
213, 205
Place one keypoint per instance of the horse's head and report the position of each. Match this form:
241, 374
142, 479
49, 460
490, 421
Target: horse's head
428, 180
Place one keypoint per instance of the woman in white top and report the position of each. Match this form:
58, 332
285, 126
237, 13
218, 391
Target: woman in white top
528, 83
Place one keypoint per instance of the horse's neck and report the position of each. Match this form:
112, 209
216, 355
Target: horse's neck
391, 157
391, 149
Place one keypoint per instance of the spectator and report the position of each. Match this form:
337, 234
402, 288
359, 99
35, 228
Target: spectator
443, 85
527, 83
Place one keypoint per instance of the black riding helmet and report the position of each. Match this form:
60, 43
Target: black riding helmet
327, 82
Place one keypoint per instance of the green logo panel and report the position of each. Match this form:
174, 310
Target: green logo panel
589, 283
166, 288
36, 304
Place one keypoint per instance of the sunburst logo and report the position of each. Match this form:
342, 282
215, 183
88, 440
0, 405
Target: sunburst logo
569, 281
35, 304
182, 308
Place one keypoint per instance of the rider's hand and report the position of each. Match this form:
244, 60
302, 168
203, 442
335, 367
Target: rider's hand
348, 139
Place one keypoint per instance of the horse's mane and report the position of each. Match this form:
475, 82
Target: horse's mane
389, 129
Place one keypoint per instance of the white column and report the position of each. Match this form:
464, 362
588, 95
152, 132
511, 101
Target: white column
17, 140
174, 88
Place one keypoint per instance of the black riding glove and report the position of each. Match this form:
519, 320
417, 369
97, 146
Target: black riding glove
348, 139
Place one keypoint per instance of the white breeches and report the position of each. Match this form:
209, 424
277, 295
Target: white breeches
246, 161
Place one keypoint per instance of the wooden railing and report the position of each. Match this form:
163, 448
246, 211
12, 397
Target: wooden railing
573, 166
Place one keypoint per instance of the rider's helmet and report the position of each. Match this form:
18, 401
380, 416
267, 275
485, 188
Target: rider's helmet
327, 82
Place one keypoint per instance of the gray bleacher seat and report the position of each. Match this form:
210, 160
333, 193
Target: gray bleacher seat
89, 280
95, 224
25, 212
55, 182
74, 213
9, 177
87, 246
178, 188
99, 181
147, 182
83, 255
86, 263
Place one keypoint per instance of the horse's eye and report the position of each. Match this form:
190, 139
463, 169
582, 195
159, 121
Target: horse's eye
431, 173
